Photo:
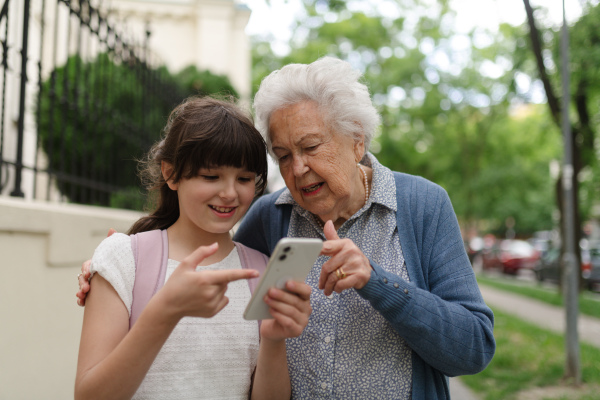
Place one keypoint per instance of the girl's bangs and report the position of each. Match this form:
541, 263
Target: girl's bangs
235, 145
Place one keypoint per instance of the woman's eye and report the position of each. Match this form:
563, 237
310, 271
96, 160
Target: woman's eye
283, 158
309, 148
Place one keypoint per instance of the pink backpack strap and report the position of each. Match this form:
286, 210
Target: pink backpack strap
151, 253
252, 259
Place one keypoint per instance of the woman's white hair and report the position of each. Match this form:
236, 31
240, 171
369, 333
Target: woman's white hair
344, 102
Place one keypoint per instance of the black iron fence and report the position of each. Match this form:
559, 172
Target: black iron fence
80, 102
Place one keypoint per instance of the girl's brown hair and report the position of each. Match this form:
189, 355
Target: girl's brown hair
202, 132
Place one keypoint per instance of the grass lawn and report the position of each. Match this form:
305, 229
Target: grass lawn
530, 361
529, 357
589, 303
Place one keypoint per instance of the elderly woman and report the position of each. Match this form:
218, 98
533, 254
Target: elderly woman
396, 307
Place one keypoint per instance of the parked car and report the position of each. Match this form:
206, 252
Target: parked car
510, 256
593, 274
548, 267
473, 247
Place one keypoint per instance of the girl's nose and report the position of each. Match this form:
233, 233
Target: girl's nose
228, 191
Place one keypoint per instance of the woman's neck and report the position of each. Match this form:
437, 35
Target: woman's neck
183, 240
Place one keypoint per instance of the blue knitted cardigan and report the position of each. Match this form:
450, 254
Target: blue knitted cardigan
440, 312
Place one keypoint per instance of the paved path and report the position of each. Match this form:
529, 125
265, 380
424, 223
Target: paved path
460, 391
542, 314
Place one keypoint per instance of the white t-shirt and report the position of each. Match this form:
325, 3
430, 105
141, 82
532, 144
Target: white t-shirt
203, 358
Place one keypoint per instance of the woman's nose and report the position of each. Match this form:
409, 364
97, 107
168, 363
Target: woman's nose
299, 166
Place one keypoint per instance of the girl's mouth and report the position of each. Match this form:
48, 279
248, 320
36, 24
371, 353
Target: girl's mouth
223, 210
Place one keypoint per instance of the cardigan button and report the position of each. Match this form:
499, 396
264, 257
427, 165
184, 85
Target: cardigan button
396, 285
405, 291
385, 280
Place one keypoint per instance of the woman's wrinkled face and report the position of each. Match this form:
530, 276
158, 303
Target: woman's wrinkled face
317, 164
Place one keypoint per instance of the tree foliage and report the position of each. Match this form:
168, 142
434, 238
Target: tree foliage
453, 104
544, 47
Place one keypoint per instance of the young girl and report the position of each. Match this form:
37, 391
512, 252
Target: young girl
207, 170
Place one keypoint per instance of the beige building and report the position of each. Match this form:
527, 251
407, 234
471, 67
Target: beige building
206, 33
44, 243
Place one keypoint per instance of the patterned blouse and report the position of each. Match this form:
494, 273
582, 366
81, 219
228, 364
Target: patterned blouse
348, 350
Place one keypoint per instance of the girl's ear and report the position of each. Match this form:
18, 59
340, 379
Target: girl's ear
167, 171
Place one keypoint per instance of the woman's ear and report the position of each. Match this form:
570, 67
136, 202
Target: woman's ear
359, 148
167, 172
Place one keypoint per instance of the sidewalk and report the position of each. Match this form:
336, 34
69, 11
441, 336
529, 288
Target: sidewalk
542, 314
460, 391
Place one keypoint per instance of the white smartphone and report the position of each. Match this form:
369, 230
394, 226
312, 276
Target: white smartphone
292, 259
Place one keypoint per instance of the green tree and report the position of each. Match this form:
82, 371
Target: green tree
542, 52
448, 102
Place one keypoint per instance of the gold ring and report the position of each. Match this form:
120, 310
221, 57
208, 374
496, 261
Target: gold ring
340, 273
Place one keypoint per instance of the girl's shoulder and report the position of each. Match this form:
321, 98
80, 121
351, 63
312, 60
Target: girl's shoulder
114, 261
115, 242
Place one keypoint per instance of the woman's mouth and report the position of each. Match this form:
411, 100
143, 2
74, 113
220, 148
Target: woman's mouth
312, 189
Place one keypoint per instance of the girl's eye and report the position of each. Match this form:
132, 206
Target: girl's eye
246, 179
210, 177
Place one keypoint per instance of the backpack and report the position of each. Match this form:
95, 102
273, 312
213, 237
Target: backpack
151, 249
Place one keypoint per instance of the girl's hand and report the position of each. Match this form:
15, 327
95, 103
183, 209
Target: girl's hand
191, 293
290, 310
347, 267
84, 278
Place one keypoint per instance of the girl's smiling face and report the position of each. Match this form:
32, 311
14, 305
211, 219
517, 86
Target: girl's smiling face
317, 163
216, 199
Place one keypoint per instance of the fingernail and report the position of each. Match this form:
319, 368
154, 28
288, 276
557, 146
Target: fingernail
291, 285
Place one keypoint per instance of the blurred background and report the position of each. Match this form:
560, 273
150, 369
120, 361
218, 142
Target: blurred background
470, 94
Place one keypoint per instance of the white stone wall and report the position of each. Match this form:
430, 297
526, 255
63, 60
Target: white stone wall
42, 247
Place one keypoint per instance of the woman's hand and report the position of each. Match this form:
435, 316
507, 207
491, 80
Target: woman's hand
290, 310
84, 278
191, 293
347, 267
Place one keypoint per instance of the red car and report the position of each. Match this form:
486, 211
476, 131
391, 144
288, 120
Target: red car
510, 256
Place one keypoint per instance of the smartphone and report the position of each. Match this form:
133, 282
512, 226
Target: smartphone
292, 259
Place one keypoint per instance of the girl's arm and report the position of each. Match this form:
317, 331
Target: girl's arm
291, 310
271, 378
114, 361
